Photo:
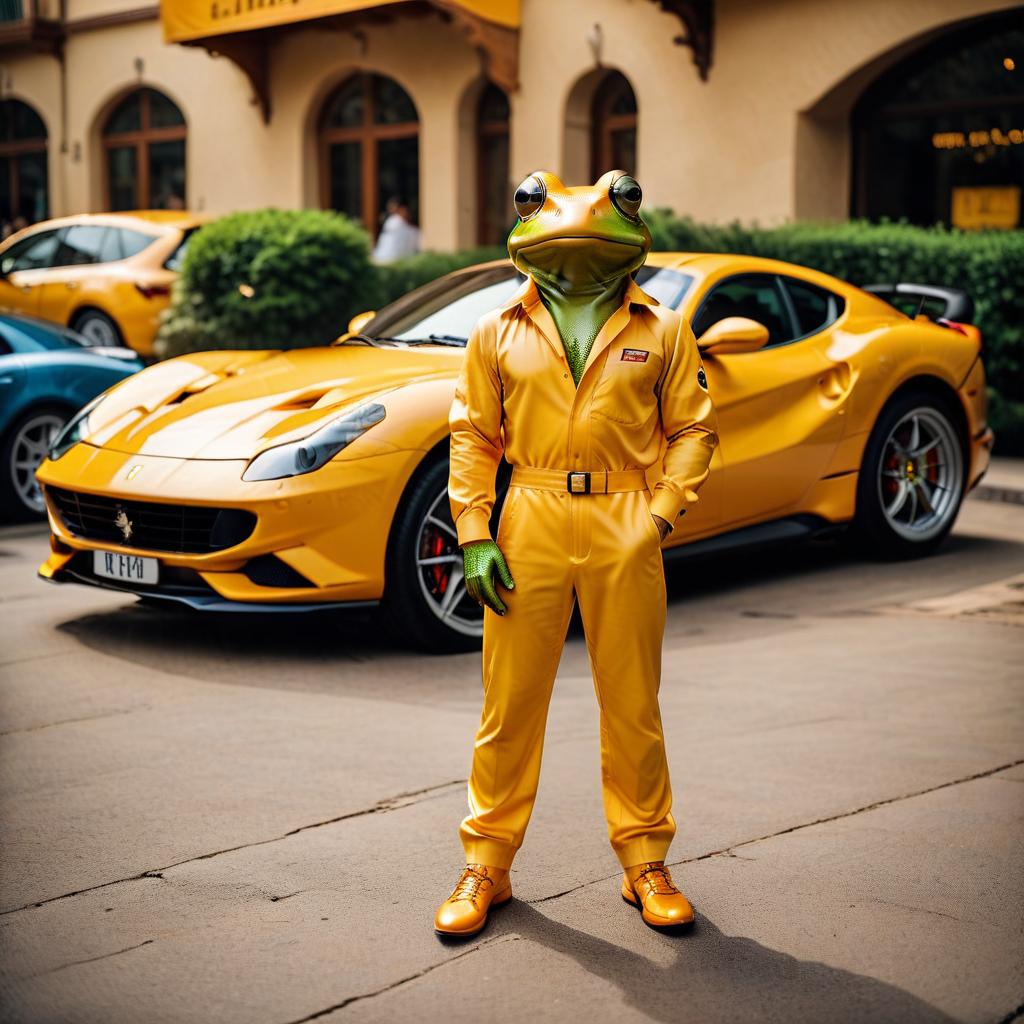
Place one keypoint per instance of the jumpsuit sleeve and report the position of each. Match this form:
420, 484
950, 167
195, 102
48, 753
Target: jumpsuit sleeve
477, 442
690, 424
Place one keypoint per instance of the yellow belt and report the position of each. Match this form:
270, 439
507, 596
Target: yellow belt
599, 481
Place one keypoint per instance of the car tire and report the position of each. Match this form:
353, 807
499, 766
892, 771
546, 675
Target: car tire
99, 328
912, 477
424, 567
27, 442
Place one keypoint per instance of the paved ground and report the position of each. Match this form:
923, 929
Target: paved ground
212, 820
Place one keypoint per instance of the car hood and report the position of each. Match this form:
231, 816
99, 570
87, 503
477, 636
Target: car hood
233, 405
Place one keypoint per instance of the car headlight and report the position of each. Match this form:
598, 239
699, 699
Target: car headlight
309, 454
76, 429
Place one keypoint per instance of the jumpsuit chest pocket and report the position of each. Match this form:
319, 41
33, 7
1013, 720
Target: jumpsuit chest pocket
625, 391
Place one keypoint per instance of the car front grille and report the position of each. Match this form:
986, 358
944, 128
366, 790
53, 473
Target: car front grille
151, 526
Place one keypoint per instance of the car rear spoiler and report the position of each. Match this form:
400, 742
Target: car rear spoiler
958, 306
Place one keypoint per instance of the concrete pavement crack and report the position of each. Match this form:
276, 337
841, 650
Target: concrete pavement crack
93, 959
1013, 1015
729, 851
392, 803
403, 981
73, 721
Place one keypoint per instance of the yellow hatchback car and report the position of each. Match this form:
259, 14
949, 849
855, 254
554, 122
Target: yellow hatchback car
107, 275
317, 478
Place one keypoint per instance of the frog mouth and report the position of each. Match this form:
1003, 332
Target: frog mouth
577, 242
578, 261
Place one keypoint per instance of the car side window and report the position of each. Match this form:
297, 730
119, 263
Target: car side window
754, 296
110, 250
133, 242
80, 245
815, 308
32, 253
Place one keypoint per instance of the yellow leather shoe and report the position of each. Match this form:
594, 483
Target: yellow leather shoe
465, 911
650, 887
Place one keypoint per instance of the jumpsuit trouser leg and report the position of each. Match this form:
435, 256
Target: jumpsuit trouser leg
606, 548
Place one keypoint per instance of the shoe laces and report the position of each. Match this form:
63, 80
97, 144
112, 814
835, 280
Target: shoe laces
657, 880
471, 882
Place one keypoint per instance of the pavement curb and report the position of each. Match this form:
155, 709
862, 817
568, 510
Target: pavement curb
992, 492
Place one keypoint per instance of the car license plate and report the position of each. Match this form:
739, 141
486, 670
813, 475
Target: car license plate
130, 568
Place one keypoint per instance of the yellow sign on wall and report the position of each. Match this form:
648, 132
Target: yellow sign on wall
986, 207
197, 19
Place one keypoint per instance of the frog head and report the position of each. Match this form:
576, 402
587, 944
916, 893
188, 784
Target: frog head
579, 238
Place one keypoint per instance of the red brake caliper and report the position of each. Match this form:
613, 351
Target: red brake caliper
440, 574
892, 463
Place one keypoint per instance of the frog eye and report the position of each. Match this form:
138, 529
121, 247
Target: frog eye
627, 196
529, 197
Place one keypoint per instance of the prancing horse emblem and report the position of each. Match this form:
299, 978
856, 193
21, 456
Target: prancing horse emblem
124, 524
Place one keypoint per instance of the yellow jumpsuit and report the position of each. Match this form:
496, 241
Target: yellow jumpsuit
642, 396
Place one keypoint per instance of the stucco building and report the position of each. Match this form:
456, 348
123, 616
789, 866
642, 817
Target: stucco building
724, 109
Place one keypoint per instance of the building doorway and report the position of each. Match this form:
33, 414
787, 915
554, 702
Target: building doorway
494, 203
613, 126
939, 138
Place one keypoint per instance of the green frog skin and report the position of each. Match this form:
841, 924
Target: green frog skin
580, 246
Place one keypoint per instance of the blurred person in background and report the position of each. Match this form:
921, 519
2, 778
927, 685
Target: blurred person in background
398, 237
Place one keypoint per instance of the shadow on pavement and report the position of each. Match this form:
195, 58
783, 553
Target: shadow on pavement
293, 651
715, 976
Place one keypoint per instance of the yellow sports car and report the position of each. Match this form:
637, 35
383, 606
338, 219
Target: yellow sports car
317, 478
107, 275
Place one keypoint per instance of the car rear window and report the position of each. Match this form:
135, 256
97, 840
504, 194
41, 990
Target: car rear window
175, 260
133, 242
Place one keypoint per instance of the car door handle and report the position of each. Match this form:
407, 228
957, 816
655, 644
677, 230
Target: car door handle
6, 380
71, 285
27, 287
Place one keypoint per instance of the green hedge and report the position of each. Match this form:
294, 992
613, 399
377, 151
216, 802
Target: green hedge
269, 279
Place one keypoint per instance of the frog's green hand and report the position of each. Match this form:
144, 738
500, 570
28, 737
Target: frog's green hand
480, 559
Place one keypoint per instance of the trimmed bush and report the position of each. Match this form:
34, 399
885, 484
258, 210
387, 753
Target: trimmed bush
269, 279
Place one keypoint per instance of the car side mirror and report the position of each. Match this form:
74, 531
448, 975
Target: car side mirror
360, 320
733, 334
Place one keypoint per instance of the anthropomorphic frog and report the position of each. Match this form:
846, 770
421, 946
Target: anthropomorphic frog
583, 382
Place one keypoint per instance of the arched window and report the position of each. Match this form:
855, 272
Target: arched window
144, 146
613, 126
23, 175
369, 149
494, 202
940, 136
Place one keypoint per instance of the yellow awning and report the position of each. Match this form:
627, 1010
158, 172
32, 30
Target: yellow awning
186, 20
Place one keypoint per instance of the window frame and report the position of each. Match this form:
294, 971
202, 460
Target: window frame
368, 134
140, 139
789, 309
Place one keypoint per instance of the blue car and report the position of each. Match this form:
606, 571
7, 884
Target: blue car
47, 373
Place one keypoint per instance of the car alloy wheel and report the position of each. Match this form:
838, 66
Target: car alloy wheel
30, 445
920, 475
440, 573
99, 329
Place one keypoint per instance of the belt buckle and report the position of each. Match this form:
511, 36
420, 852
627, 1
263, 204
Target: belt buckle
578, 482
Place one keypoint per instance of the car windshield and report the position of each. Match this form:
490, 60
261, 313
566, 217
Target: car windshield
447, 309
25, 334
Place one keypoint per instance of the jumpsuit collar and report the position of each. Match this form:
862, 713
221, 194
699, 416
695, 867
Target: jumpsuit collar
528, 299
